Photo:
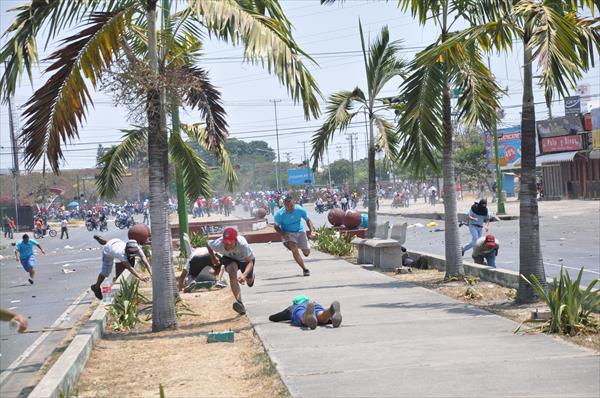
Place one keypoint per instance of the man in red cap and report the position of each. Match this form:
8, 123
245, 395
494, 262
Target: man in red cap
486, 248
237, 255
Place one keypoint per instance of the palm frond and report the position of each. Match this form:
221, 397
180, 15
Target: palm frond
197, 133
422, 9
383, 61
20, 51
339, 116
588, 31
267, 41
202, 95
420, 126
55, 110
114, 163
554, 46
478, 102
196, 176
388, 140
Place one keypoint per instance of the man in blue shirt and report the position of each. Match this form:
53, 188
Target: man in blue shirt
24, 255
288, 224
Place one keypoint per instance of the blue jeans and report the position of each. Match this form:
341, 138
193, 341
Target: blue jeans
490, 259
475, 234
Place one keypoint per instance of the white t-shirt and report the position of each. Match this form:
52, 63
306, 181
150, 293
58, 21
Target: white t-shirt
240, 252
63, 223
115, 248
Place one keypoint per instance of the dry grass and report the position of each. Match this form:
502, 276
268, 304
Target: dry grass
491, 297
181, 359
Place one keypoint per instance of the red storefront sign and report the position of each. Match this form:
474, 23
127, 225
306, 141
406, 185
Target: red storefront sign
562, 143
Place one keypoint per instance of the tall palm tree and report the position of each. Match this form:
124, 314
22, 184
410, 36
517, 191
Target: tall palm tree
454, 60
382, 64
562, 43
56, 110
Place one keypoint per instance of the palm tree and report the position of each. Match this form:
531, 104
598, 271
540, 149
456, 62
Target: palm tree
563, 44
382, 64
56, 110
454, 60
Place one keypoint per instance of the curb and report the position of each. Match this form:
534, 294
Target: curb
500, 276
440, 216
62, 377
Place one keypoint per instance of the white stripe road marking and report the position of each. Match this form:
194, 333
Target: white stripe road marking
8, 371
81, 260
573, 268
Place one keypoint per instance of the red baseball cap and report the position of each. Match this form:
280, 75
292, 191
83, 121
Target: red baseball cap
230, 235
490, 240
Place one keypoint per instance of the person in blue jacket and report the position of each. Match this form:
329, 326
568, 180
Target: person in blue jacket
478, 218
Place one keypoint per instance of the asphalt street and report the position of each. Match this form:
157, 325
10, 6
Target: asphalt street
570, 240
58, 298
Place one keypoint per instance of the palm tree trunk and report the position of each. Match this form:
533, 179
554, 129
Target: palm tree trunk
530, 253
454, 264
372, 182
163, 303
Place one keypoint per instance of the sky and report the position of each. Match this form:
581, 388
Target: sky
329, 34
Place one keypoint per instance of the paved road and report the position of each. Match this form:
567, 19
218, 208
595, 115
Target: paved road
570, 232
54, 295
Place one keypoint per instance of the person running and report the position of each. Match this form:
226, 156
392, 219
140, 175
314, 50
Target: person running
304, 312
24, 255
288, 224
124, 253
237, 255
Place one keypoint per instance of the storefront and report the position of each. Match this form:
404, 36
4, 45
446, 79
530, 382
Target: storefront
569, 162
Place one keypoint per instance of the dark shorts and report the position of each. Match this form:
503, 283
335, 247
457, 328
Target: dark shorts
198, 263
241, 265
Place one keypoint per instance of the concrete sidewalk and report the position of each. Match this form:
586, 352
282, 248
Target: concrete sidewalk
398, 339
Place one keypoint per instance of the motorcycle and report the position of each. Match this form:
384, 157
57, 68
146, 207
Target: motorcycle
39, 233
123, 223
103, 226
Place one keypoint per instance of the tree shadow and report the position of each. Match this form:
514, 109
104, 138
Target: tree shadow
382, 285
452, 308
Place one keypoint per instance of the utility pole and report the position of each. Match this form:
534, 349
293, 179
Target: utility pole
306, 161
288, 156
500, 203
329, 169
15, 153
350, 137
339, 151
275, 101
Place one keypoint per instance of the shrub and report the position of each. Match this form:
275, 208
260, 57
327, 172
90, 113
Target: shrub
570, 305
198, 239
124, 309
332, 242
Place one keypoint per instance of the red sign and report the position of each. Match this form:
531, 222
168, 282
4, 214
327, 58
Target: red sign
562, 143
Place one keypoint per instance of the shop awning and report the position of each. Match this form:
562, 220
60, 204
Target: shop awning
556, 157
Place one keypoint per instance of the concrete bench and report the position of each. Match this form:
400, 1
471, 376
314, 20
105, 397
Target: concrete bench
385, 249
365, 253
387, 253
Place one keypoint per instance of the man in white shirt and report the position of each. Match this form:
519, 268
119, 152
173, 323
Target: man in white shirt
63, 228
237, 255
124, 253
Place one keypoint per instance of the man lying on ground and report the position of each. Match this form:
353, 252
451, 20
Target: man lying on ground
304, 312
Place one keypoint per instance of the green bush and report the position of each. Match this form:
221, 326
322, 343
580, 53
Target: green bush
330, 241
124, 309
198, 239
570, 305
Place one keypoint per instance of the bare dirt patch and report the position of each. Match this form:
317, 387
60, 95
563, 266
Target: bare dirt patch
491, 297
134, 363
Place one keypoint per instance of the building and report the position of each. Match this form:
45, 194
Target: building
570, 156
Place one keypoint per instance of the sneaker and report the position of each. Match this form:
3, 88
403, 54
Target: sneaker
335, 314
309, 318
191, 286
238, 307
30, 281
97, 291
251, 281
306, 272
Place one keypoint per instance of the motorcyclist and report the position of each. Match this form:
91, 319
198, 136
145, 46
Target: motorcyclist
319, 205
